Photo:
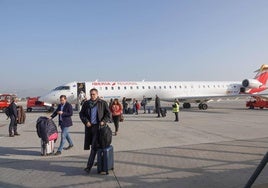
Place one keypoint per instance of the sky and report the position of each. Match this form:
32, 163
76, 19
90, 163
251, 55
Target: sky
46, 43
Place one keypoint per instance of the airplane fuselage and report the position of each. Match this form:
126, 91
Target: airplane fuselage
167, 91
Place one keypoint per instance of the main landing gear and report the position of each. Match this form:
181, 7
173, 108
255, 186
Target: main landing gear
201, 106
186, 105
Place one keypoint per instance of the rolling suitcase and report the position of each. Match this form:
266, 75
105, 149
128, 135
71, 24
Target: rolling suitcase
163, 112
47, 148
105, 159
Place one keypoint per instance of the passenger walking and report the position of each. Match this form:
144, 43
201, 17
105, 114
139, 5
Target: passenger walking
176, 109
13, 115
144, 103
125, 105
134, 107
110, 103
64, 112
94, 113
82, 97
137, 106
116, 110
157, 105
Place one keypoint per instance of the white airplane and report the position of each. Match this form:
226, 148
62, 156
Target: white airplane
186, 92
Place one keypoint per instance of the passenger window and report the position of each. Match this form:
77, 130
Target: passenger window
137, 87
154, 87
143, 87
149, 87
125, 87
106, 88
118, 88
112, 88
131, 87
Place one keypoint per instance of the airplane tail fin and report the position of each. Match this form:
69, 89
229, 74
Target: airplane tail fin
260, 80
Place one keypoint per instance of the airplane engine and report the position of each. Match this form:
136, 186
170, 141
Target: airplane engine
251, 83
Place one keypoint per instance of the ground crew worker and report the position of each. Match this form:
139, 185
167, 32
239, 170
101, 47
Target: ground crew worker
176, 109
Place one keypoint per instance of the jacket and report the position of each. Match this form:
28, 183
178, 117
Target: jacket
116, 110
13, 110
85, 113
175, 107
46, 129
66, 116
157, 103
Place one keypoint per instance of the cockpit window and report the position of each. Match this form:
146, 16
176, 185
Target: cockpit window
62, 88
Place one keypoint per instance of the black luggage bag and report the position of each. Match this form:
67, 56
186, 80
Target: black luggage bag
105, 160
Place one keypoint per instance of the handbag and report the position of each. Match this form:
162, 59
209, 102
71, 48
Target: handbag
121, 118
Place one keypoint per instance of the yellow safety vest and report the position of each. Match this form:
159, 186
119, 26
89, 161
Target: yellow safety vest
176, 107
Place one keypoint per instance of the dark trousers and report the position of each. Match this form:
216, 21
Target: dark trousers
116, 122
158, 112
176, 116
144, 108
12, 125
94, 145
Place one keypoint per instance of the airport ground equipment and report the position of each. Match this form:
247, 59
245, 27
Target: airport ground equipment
257, 172
5, 100
33, 104
257, 102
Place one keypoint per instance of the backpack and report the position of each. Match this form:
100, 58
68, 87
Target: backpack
105, 136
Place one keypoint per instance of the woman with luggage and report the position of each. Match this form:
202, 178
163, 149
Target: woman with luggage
116, 110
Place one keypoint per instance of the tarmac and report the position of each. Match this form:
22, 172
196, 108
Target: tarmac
217, 148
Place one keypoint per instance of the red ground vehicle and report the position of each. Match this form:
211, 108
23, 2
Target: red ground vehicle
34, 105
257, 102
5, 100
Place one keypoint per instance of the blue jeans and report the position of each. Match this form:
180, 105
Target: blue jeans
65, 136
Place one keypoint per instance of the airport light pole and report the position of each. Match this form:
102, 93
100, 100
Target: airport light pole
257, 172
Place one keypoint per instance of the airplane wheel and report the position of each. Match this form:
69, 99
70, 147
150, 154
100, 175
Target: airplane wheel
204, 106
200, 106
186, 105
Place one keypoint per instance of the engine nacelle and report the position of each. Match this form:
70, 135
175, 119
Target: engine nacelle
251, 83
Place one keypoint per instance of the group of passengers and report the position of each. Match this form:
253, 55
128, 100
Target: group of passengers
95, 113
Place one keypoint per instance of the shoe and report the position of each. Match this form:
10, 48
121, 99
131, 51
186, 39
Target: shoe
87, 170
69, 147
11, 135
115, 133
58, 153
16, 134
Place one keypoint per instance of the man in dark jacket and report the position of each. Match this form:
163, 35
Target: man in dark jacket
94, 113
64, 111
13, 117
157, 105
